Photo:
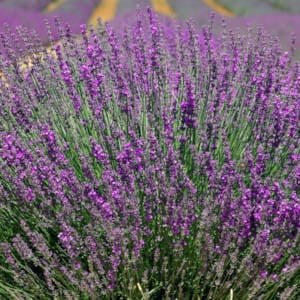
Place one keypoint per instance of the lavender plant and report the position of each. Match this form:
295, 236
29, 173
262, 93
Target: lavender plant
158, 162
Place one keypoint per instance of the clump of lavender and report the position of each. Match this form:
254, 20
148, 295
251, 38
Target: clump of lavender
157, 163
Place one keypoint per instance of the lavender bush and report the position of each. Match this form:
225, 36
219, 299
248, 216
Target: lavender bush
157, 163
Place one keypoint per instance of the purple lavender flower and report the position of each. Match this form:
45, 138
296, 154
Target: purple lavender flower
188, 108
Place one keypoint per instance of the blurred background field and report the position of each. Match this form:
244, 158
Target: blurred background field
250, 7
279, 17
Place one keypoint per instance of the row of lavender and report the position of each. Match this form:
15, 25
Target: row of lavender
29, 14
154, 163
77, 12
254, 7
32, 5
279, 17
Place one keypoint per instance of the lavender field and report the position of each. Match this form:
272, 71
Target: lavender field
147, 158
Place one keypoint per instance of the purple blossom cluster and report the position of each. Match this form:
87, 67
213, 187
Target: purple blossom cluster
156, 162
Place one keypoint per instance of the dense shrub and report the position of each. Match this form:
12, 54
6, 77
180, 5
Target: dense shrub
158, 163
